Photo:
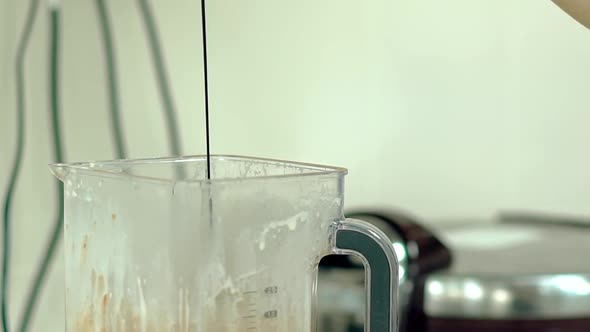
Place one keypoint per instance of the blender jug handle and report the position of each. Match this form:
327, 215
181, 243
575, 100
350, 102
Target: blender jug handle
360, 238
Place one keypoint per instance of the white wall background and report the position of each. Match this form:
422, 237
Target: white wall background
446, 108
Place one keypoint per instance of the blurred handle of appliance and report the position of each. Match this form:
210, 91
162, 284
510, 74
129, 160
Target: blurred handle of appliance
426, 253
542, 218
578, 9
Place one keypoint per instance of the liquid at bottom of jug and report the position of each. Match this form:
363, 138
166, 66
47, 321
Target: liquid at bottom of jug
192, 327
131, 322
250, 309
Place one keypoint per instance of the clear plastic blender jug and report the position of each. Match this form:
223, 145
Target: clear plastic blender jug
153, 245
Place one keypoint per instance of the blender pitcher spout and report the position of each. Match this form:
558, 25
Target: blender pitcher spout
60, 171
63, 170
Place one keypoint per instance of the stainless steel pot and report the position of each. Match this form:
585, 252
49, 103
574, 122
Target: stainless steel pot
518, 273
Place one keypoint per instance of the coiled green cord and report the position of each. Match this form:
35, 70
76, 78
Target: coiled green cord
49, 251
16, 166
161, 78
105, 27
169, 112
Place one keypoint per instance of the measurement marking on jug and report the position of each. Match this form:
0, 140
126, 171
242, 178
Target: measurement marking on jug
271, 314
250, 292
249, 316
271, 290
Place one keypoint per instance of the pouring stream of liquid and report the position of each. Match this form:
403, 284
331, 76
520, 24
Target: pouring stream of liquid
206, 81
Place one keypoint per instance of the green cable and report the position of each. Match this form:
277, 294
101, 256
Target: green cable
16, 167
112, 78
162, 80
58, 157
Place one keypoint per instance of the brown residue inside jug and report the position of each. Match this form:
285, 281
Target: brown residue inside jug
84, 251
123, 318
107, 315
101, 284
